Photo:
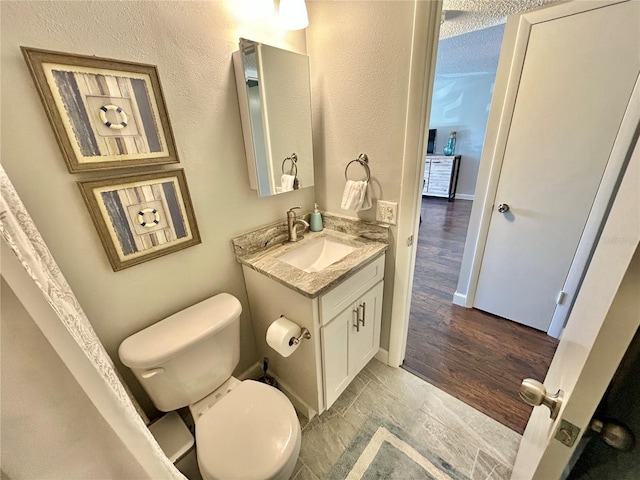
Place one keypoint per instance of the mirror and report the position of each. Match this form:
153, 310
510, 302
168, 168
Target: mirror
274, 94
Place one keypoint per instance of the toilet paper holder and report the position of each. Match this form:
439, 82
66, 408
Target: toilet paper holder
304, 333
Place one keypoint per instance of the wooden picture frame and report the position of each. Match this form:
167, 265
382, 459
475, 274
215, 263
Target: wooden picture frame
140, 217
104, 113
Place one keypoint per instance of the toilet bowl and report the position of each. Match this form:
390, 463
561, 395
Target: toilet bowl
253, 432
244, 430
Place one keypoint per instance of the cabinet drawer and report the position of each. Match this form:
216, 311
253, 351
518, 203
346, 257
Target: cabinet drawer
442, 163
341, 297
439, 179
440, 170
439, 183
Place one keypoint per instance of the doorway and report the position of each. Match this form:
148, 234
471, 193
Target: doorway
477, 357
592, 115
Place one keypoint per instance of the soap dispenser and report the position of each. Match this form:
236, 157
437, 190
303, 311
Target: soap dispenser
315, 225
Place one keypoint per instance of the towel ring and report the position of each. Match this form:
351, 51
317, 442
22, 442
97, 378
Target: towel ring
362, 160
294, 165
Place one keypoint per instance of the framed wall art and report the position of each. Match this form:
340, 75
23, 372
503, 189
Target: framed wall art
142, 216
104, 113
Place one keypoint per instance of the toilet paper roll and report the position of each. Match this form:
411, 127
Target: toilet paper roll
279, 336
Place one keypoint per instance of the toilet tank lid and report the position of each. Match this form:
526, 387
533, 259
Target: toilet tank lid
167, 338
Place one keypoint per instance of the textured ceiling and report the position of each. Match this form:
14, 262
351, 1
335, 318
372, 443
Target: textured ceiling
464, 16
470, 53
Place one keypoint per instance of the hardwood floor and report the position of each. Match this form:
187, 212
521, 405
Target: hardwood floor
477, 357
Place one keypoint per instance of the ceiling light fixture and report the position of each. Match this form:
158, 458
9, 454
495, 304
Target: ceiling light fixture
293, 14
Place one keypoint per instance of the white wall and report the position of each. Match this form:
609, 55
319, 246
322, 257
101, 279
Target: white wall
191, 43
465, 73
50, 428
461, 104
360, 57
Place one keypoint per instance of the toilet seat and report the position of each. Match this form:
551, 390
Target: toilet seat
253, 432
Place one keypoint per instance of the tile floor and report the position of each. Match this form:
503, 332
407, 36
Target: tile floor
474, 444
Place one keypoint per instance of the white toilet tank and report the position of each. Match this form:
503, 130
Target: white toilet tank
186, 356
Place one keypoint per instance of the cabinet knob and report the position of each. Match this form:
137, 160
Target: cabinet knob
359, 319
364, 312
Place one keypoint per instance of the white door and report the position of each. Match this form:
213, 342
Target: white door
604, 319
577, 66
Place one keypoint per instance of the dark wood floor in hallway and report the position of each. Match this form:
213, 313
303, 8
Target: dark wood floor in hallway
475, 356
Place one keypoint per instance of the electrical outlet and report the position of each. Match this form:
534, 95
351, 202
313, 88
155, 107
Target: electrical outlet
387, 212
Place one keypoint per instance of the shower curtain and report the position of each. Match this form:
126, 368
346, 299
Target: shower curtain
77, 345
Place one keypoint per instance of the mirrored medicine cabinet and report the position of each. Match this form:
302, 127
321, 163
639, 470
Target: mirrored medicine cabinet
274, 95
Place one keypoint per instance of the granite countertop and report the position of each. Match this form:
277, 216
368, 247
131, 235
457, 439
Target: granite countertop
261, 248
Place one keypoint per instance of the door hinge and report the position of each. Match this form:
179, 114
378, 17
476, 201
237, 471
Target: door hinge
567, 433
410, 241
561, 297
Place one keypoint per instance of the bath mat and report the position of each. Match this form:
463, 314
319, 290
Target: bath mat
385, 451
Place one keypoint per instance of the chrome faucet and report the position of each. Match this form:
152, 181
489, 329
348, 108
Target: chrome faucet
292, 222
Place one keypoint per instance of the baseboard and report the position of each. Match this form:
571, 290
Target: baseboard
460, 299
299, 404
464, 196
382, 356
253, 372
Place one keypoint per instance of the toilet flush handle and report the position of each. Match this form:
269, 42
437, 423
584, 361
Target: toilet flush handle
152, 372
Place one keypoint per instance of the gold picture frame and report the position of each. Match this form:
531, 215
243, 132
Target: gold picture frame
104, 113
140, 217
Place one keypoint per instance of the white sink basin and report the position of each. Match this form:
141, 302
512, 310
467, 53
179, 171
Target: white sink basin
317, 254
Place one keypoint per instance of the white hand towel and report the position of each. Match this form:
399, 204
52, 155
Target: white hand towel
366, 200
361, 192
356, 196
286, 182
349, 195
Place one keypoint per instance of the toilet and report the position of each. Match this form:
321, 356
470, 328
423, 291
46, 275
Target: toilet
244, 429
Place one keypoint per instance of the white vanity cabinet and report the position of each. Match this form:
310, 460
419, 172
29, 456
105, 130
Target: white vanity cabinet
345, 333
349, 341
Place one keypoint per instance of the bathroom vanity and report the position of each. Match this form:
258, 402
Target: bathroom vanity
340, 305
350, 317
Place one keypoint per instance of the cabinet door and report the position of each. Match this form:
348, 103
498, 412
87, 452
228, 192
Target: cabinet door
425, 185
440, 176
364, 342
335, 354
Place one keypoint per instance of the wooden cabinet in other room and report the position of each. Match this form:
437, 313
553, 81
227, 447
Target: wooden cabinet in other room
441, 176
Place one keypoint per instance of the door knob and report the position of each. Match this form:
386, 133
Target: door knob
503, 207
614, 434
534, 393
